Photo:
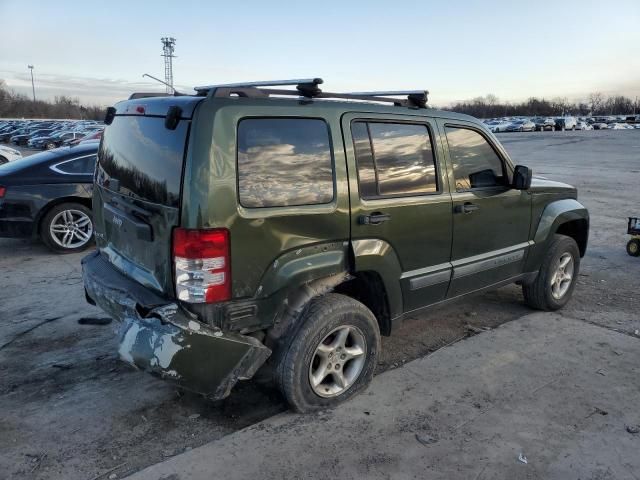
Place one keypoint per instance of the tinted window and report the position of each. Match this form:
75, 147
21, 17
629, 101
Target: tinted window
394, 159
475, 163
79, 166
145, 157
284, 162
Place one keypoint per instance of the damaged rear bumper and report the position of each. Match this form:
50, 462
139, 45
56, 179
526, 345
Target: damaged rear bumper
158, 336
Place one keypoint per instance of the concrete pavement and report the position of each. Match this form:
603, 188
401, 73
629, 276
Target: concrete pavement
557, 390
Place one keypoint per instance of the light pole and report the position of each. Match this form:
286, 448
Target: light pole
33, 88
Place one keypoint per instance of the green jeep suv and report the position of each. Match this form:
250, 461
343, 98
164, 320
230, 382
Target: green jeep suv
254, 226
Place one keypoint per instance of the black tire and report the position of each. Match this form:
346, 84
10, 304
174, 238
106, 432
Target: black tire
633, 247
320, 318
48, 219
538, 294
50, 146
3, 160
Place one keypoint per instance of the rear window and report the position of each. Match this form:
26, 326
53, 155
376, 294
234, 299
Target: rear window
144, 157
284, 162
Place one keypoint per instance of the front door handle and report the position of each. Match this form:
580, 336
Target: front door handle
467, 207
376, 218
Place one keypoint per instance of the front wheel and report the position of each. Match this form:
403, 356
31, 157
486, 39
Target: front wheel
50, 146
331, 356
67, 228
3, 160
633, 247
557, 276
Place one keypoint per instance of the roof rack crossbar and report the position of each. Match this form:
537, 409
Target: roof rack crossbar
416, 98
391, 93
308, 88
268, 83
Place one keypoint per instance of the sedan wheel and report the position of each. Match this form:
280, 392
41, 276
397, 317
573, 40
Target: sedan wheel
67, 228
50, 146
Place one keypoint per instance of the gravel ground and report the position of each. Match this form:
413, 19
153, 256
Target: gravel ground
71, 410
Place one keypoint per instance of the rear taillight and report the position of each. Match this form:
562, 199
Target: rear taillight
201, 260
3, 190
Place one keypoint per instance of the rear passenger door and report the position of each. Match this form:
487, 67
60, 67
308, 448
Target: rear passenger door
490, 219
399, 196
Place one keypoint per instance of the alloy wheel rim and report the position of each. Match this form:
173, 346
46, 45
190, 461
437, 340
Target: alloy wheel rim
71, 229
562, 276
337, 361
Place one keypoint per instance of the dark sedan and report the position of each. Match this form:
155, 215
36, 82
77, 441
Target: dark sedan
49, 195
55, 139
23, 139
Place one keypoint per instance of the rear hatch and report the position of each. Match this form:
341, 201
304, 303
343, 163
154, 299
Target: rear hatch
138, 184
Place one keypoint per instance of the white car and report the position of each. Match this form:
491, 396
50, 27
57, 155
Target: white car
618, 126
583, 126
499, 126
8, 154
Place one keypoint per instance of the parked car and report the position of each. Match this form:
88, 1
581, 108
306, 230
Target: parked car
54, 140
583, 126
498, 126
95, 135
600, 126
521, 126
565, 123
23, 139
544, 123
620, 126
49, 195
8, 155
6, 135
307, 232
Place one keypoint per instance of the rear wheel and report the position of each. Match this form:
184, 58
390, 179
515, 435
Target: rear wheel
67, 228
50, 146
556, 279
633, 247
331, 356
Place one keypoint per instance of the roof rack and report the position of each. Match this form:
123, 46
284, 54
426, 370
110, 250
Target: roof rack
308, 88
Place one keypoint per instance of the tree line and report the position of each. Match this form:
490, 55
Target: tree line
596, 104
15, 105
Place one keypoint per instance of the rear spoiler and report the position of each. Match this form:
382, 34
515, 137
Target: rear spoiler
135, 95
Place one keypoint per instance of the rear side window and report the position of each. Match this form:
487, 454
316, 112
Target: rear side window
394, 159
78, 166
475, 162
284, 162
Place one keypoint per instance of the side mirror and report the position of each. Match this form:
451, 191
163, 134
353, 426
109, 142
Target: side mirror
522, 177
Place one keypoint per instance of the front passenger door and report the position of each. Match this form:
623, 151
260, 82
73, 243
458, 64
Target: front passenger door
490, 219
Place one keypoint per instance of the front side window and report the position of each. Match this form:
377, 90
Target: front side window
393, 159
475, 162
284, 162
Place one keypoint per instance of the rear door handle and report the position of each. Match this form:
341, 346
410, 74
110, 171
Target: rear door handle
467, 207
376, 218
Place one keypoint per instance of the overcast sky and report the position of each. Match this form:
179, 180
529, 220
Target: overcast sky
457, 50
